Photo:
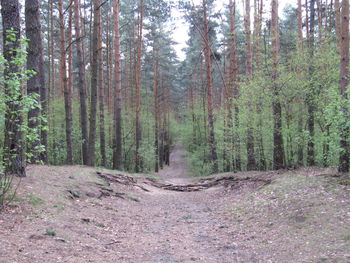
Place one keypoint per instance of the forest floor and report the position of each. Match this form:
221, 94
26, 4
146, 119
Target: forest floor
70, 214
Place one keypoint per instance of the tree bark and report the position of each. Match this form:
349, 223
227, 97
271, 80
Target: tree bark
344, 82
233, 72
251, 164
301, 105
117, 154
138, 134
278, 151
14, 158
101, 88
64, 83
337, 23
94, 82
207, 55
311, 94
34, 58
156, 111
81, 84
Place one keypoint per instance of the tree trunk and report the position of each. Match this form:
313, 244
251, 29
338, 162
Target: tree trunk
212, 143
34, 58
337, 23
101, 88
344, 82
81, 84
14, 158
300, 101
231, 78
156, 111
117, 154
66, 90
278, 152
311, 94
251, 164
94, 82
233, 72
138, 134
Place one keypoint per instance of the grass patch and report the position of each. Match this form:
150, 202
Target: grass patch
238, 211
50, 232
34, 200
346, 237
187, 217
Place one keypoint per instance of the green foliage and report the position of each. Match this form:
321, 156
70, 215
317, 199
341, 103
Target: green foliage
14, 96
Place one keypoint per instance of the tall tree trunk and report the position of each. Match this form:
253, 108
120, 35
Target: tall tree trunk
66, 90
344, 82
300, 52
311, 94
81, 84
14, 159
52, 81
207, 55
70, 52
34, 60
258, 7
94, 82
156, 110
233, 72
228, 140
117, 154
138, 135
251, 164
337, 23
278, 152
101, 88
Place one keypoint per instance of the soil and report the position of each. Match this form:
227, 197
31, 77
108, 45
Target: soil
69, 214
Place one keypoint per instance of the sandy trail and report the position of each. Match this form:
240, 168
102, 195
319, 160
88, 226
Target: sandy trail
176, 227
158, 226
109, 223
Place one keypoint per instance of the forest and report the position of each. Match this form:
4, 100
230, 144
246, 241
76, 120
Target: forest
254, 88
100, 84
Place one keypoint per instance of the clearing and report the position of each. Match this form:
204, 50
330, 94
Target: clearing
71, 214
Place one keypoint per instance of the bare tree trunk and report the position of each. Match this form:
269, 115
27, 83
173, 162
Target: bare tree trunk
258, 7
344, 82
251, 164
311, 95
156, 111
81, 84
64, 83
52, 81
117, 154
94, 82
212, 142
229, 94
34, 58
233, 72
337, 23
14, 158
138, 134
101, 88
70, 53
278, 152
300, 118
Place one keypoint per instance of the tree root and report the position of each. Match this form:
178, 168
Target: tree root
227, 181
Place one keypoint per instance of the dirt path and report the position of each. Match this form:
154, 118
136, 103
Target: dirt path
69, 215
176, 172
61, 219
177, 227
